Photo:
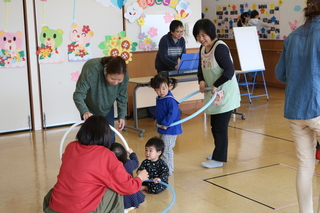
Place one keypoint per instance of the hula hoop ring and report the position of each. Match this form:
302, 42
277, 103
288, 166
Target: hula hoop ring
172, 191
80, 122
197, 112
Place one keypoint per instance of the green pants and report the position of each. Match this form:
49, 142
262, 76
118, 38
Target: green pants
111, 202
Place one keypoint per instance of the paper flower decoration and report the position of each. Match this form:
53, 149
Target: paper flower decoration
153, 32
141, 21
168, 18
75, 76
118, 45
145, 42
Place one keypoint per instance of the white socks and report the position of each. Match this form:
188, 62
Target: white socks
212, 164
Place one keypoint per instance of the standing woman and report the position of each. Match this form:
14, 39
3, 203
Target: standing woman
216, 70
102, 82
299, 68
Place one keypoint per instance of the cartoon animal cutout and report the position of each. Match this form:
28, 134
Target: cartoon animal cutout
134, 12
49, 51
293, 26
79, 49
11, 54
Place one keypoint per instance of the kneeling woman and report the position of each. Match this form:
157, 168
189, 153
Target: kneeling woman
91, 179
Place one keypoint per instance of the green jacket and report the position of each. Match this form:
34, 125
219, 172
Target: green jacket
94, 94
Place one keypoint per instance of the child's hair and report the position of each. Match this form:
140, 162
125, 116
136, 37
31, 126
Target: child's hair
254, 13
119, 151
95, 131
206, 26
114, 65
157, 143
174, 25
242, 20
159, 79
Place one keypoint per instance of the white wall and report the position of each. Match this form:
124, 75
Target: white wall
50, 85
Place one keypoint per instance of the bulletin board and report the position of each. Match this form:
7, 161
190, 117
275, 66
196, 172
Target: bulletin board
58, 79
155, 16
283, 16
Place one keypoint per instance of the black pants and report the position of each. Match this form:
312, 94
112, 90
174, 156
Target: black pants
219, 129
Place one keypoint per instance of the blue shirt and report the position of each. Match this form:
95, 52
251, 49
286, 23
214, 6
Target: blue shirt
169, 52
299, 68
168, 112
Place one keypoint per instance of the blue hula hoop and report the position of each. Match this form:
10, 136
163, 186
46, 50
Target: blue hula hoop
80, 122
172, 191
197, 112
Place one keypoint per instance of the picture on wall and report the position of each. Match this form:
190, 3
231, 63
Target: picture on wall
227, 17
11, 54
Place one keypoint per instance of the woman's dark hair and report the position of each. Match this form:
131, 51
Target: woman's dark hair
254, 13
159, 79
119, 151
311, 10
114, 65
206, 26
95, 131
242, 20
174, 25
157, 143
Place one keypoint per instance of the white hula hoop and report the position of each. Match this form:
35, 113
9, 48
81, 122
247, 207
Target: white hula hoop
80, 122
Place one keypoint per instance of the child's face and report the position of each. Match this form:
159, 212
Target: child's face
163, 90
152, 154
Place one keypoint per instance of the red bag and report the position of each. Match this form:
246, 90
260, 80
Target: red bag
318, 151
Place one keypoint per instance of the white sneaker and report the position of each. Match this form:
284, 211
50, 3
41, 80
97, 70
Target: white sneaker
209, 157
212, 164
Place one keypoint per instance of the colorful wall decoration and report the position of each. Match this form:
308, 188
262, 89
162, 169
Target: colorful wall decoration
113, 3
118, 45
11, 54
135, 10
227, 17
49, 51
79, 49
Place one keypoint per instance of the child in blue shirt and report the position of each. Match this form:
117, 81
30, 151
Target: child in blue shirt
167, 112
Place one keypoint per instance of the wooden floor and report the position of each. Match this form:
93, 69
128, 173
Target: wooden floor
258, 177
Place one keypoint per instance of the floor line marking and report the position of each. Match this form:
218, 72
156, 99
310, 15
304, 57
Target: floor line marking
261, 134
241, 195
291, 167
293, 204
207, 180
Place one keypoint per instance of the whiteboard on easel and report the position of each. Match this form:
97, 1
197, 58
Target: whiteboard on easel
248, 47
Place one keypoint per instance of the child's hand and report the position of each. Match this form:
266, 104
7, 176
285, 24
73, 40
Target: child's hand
129, 151
155, 122
143, 175
164, 127
156, 180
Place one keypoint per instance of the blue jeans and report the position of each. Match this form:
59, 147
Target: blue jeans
110, 119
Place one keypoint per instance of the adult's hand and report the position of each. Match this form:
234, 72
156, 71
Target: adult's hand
121, 124
143, 175
213, 89
202, 86
86, 115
